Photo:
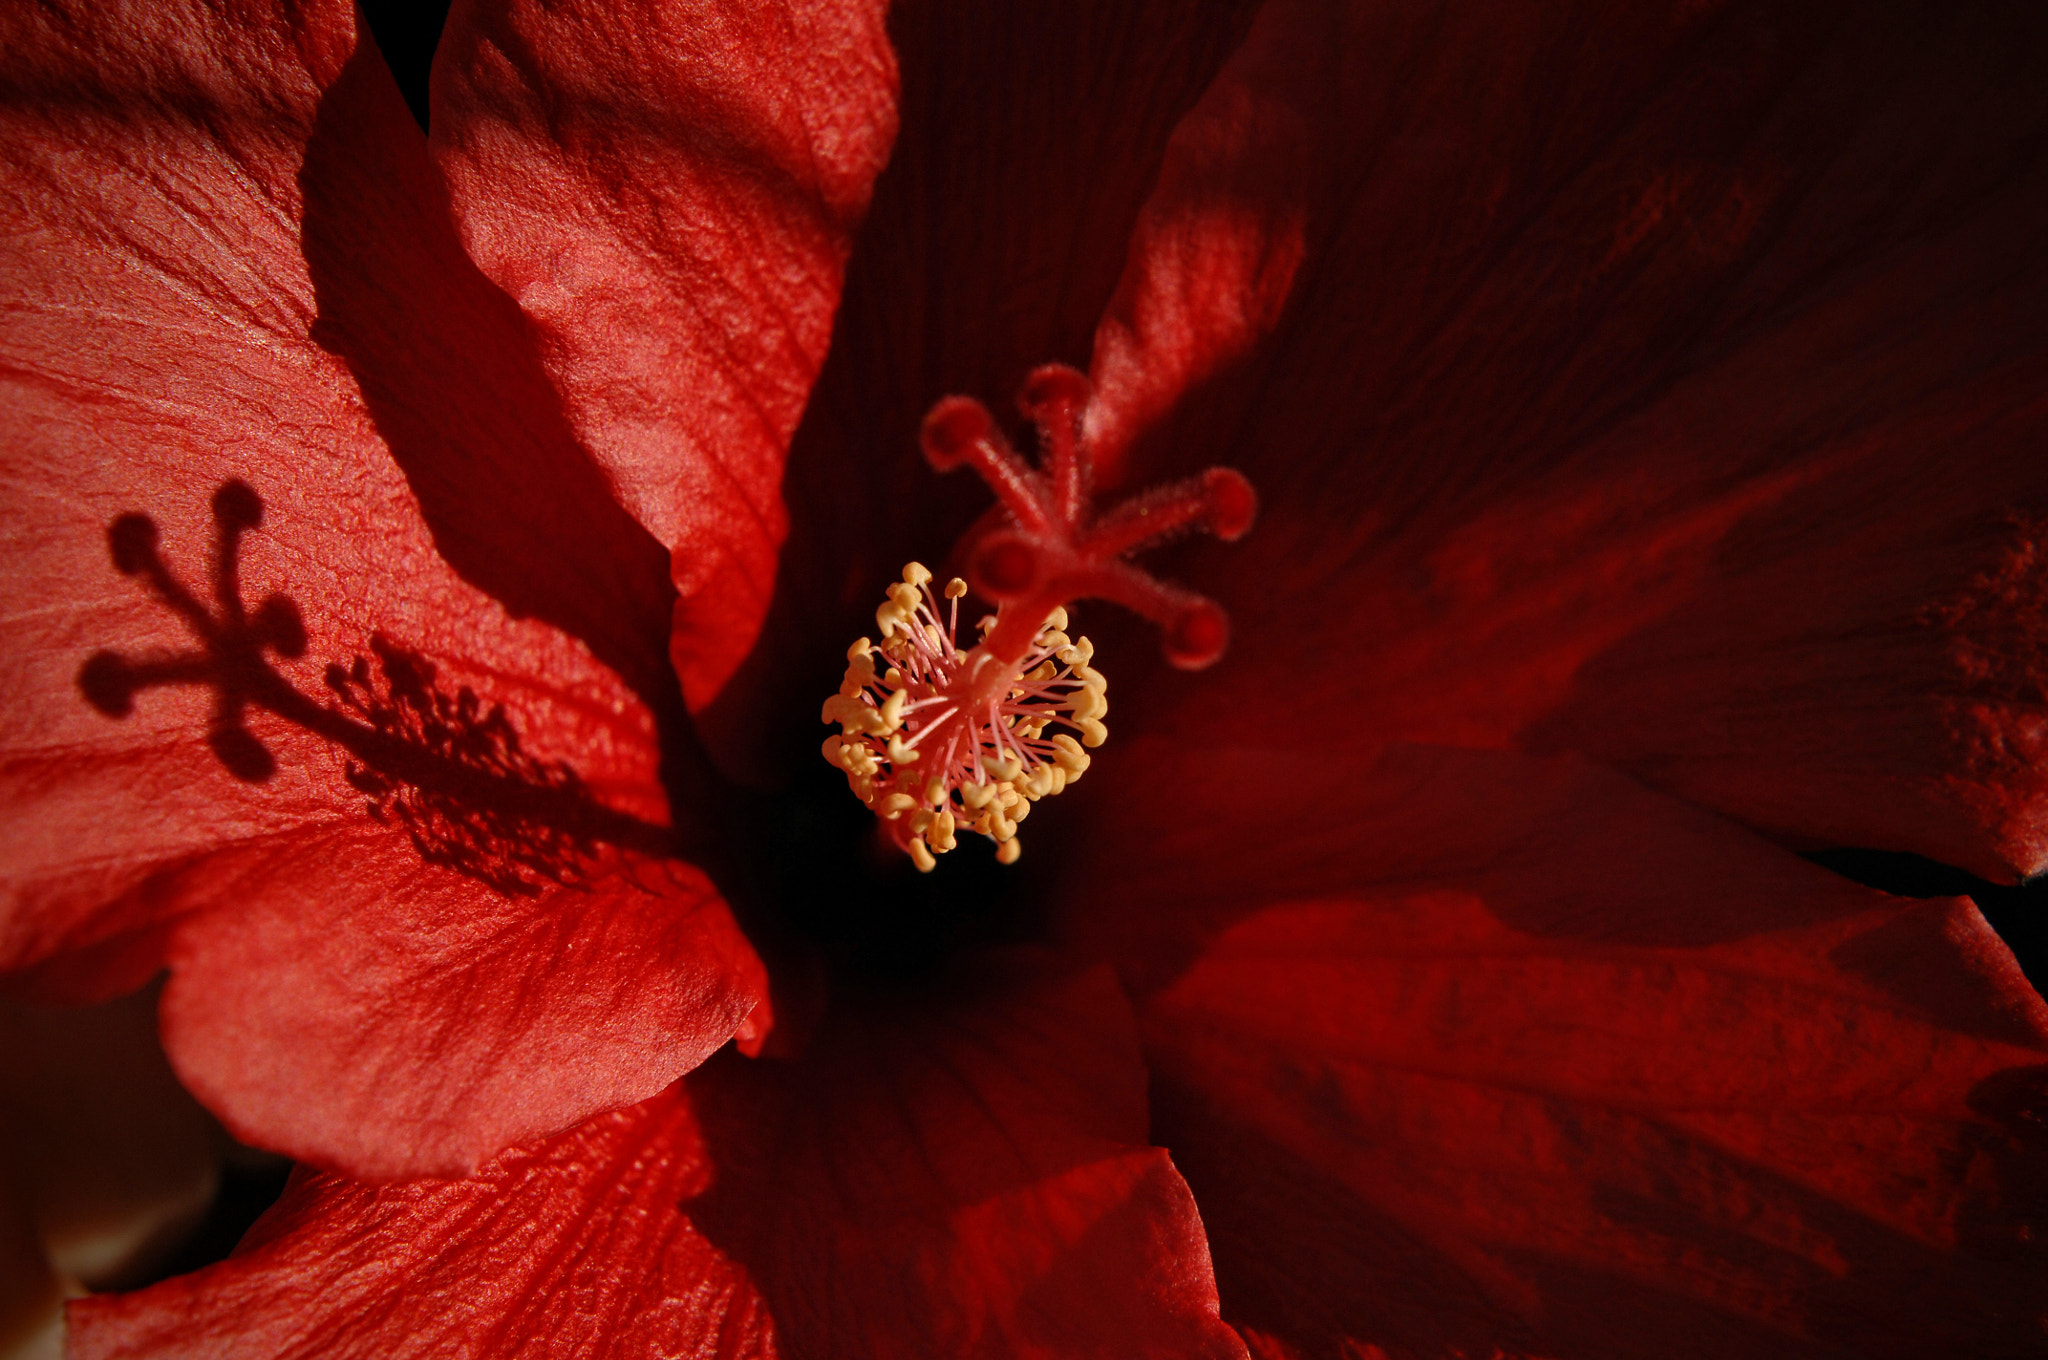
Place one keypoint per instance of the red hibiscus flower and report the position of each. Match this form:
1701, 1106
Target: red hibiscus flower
1646, 411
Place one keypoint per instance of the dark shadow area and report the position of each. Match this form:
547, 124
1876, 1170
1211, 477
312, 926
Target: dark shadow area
447, 366
492, 844
2019, 914
407, 32
1298, 1256
443, 764
232, 640
121, 1174
249, 1185
836, 887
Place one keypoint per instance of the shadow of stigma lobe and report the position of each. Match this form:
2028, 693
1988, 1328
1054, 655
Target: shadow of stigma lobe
447, 768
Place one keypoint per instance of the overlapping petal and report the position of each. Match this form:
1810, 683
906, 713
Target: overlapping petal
669, 192
969, 1179
334, 658
1469, 1050
1664, 385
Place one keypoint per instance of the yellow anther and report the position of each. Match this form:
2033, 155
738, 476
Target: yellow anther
860, 670
985, 622
889, 723
853, 716
1007, 852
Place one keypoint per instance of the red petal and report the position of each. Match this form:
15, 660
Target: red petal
967, 1179
669, 192
237, 298
1667, 387
1567, 1068
574, 1247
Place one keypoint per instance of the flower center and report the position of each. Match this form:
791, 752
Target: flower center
935, 737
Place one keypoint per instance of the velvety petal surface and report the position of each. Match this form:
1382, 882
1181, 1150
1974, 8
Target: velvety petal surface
334, 668
1665, 383
963, 1179
669, 192
1473, 1053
